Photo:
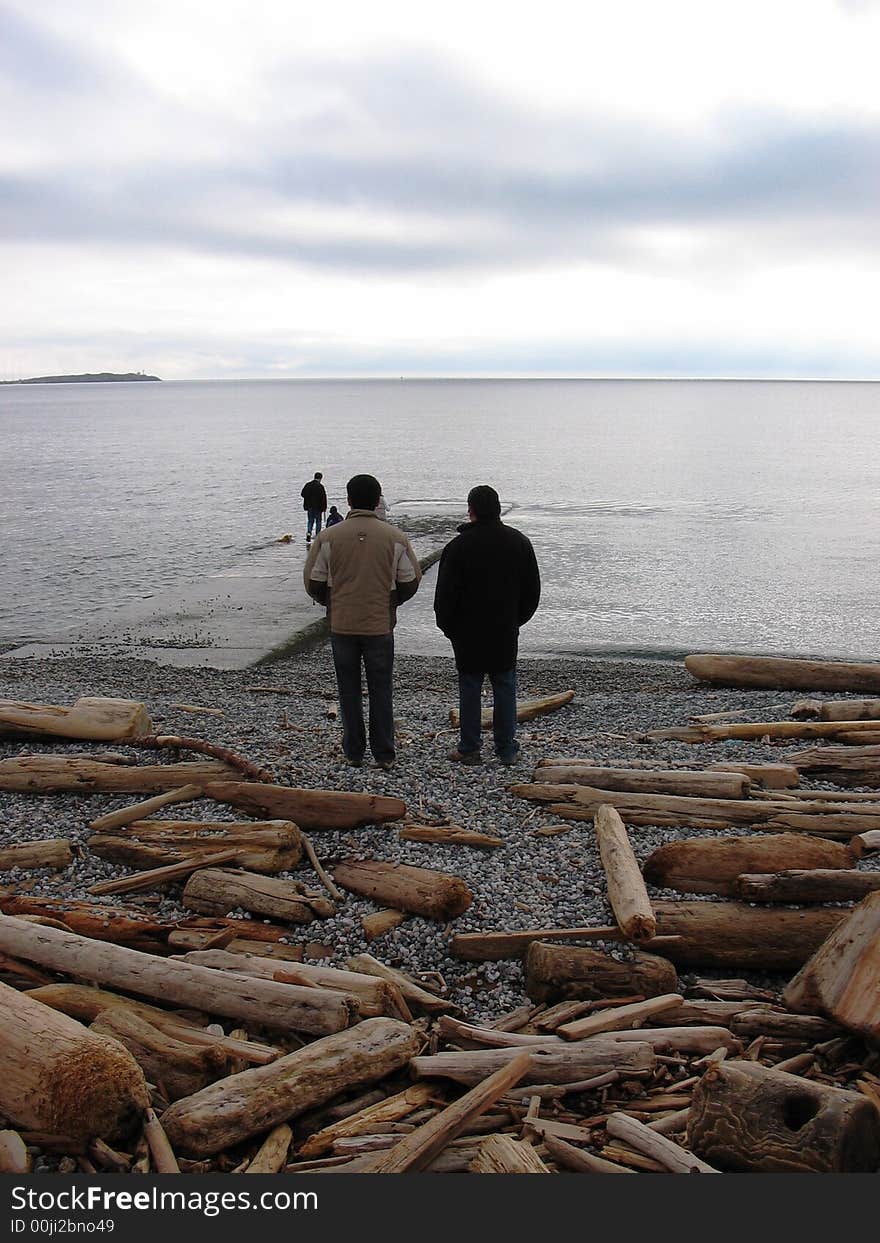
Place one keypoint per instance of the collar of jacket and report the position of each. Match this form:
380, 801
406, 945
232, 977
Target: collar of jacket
362, 513
478, 522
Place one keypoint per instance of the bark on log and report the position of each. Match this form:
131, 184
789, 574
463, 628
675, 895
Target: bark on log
216, 891
782, 673
569, 973
92, 718
502, 1154
247, 1104
138, 811
796, 885
747, 1117
769, 776
723, 934
421, 891
712, 865
562, 1063
61, 1078
262, 1002
842, 765
646, 781
52, 774
311, 810
627, 894
411, 991
54, 852
526, 709
177, 1068
263, 846
122, 925
842, 979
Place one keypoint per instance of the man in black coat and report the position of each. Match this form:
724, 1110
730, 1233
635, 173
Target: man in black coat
315, 504
488, 585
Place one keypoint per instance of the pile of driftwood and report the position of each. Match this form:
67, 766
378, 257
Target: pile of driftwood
132, 1043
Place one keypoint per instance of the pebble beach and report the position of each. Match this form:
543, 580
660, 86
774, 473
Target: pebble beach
277, 716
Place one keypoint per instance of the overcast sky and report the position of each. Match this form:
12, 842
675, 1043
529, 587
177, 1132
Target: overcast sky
266, 188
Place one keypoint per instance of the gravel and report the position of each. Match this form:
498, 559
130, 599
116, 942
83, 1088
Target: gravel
532, 881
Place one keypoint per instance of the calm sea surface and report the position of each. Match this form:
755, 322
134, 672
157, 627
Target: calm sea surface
667, 516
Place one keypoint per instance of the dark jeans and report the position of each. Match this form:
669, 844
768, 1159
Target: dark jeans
503, 712
377, 653
315, 519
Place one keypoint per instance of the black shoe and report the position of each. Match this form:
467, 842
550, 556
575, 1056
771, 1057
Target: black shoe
465, 757
354, 763
507, 760
386, 765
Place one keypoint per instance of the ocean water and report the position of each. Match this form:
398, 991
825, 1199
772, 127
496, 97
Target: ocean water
667, 516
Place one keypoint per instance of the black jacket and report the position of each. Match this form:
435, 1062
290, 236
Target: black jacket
314, 496
488, 586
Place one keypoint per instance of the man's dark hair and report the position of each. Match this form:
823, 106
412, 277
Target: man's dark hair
318, 475
484, 502
363, 492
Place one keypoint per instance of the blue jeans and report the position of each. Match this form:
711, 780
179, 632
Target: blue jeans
377, 653
315, 518
503, 712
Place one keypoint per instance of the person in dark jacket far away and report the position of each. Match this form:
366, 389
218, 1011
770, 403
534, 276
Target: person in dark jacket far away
488, 585
362, 569
315, 504
333, 517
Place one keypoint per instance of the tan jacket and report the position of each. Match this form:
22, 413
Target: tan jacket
357, 567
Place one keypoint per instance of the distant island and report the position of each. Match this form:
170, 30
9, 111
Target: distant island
100, 377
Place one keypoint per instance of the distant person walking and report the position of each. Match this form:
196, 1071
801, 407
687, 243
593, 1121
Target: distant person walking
362, 569
488, 585
333, 517
315, 504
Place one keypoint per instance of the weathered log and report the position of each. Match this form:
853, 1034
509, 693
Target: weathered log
848, 710
712, 865
412, 992
689, 1040
391, 1109
780, 1025
448, 835
60, 1077
670, 1155
247, 1104
156, 878
138, 811
421, 891
311, 810
54, 852
244, 929
747, 1117
185, 939
263, 1002
526, 709
243, 767
627, 894
617, 1018
92, 718
263, 846
559, 1063
122, 925
272, 1155
502, 1154
755, 730
769, 776
379, 922
14, 1156
47, 774
493, 946
842, 979
164, 1160
844, 766
178, 1068
574, 972
797, 885
467, 1035
646, 781
783, 673
721, 934
216, 891
866, 843
579, 1160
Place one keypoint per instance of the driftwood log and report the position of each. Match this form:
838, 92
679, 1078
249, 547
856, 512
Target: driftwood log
838, 709
122, 925
627, 894
254, 1101
845, 766
723, 934
448, 835
769, 776
575, 972
175, 1066
548, 1063
91, 718
114, 820
748, 1117
648, 781
51, 774
782, 673
61, 1078
421, 891
502, 1154
526, 709
493, 946
410, 990
712, 864
262, 846
311, 810
54, 852
216, 891
797, 885
865, 843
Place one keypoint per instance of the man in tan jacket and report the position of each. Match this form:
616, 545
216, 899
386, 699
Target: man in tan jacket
361, 569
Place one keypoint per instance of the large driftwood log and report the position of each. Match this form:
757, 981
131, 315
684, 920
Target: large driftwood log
54, 852
548, 1063
646, 781
575, 972
493, 946
769, 776
262, 1002
177, 1068
61, 1078
52, 774
842, 979
122, 925
781, 1025
747, 1117
253, 1101
421, 891
782, 673
712, 864
312, 810
216, 891
845, 766
627, 894
839, 709
263, 846
91, 718
526, 709
722, 934
796, 885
